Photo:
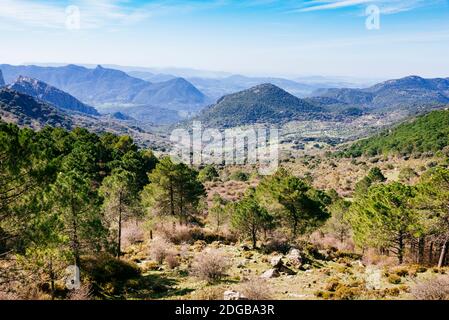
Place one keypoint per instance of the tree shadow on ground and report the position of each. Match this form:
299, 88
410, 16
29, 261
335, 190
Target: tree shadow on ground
154, 286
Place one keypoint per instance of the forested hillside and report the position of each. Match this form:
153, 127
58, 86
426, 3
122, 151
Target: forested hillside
25, 110
425, 133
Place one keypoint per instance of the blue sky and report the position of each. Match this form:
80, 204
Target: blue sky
254, 37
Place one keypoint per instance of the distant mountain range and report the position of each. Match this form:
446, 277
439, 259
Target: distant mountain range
264, 103
407, 93
270, 104
38, 97
216, 88
171, 99
52, 95
2, 81
102, 86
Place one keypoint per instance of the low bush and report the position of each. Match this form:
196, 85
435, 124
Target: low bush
208, 293
401, 272
108, 274
178, 234
256, 289
434, 289
211, 265
394, 279
277, 245
132, 233
159, 249
83, 293
172, 260
239, 176
347, 293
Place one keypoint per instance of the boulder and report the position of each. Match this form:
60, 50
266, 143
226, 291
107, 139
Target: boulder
231, 295
279, 266
294, 257
271, 273
241, 264
306, 267
276, 262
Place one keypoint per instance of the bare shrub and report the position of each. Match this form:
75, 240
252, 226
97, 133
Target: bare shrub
83, 293
211, 265
159, 249
324, 241
372, 257
434, 289
184, 251
132, 233
277, 244
256, 289
172, 260
178, 234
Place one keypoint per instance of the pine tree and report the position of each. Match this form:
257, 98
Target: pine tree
218, 213
432, 203
296, 203
174, 190
120, 203
384, 217
74, 200
249, 218
338, 224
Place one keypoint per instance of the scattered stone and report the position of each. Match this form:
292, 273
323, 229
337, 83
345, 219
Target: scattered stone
295, 295
306, 267
271, 273
294, 257
241, 264
231, 295
278, 265
276, 262
358, 263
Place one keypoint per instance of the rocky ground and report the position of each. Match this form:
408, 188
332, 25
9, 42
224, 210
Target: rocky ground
301, 274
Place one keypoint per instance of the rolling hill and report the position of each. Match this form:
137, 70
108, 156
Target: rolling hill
216, 88
264, 103
162, 94
52, 95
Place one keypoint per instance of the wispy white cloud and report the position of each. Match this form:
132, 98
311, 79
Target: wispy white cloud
102, 13
386, 6
328, 5
94, 14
